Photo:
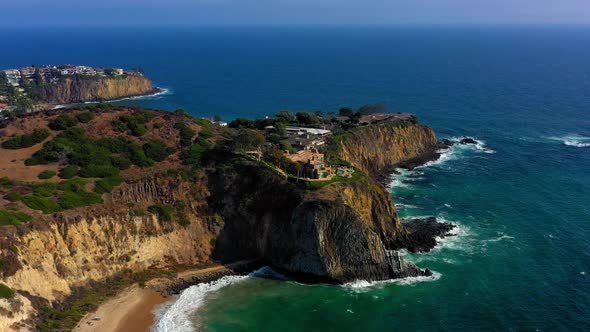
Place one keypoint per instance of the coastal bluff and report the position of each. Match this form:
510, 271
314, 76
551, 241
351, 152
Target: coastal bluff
156, 192
77, 89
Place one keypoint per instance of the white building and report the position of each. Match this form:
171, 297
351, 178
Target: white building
13, 76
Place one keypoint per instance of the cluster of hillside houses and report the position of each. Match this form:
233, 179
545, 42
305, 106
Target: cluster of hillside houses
307, 143
16, 77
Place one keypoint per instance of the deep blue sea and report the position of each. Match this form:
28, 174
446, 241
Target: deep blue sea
521, 256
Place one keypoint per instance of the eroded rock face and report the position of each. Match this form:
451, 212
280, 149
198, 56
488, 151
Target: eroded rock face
76, 89
378, 149
336, 234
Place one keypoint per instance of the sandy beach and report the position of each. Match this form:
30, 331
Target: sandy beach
130, 311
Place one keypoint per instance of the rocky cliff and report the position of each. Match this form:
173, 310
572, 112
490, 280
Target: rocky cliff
379, 148
84, 89
43, 260
232, 208
338, 233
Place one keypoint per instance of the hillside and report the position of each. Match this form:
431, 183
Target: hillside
90, 193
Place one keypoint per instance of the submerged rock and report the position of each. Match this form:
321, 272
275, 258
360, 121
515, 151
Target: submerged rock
468, 140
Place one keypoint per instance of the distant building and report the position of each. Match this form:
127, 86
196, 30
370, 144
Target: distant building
27, 72
314, 165
13, 76
302, 138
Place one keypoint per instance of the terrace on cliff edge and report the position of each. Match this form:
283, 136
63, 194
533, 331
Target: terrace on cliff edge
95, 199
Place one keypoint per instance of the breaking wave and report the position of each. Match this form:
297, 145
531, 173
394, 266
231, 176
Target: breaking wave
175, 316
364, 285
157, 95
573, 140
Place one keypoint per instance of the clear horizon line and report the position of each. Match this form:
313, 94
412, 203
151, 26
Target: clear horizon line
278, 25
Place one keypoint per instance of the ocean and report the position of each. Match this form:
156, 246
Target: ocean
520, 259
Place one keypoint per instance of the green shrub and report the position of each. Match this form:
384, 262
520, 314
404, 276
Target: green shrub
106, 185
43, 189
158, 125
5, 182
205, 131
70, 199
194, 154
164, 212
63, 122
135, 123
5, 292
98, 171
121, 162
41, 203
85, 117
138, 157
186, 133
69, 172
114, 145
25, 141
183, 220
119, 126
157, 150
47, 174
13, 197
13, 217
76, 184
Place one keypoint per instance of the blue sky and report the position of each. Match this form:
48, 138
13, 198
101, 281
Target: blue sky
277, 12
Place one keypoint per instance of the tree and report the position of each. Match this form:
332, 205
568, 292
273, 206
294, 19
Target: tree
285, 116
157, 150
242, 123
372, 109
280, 129
217, 118
307, 118
110, 72
248, 139
346, 111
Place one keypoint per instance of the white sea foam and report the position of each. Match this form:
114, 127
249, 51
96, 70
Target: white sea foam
573, 140
175, 316
364, 285
405, 206
500, 238
157, 95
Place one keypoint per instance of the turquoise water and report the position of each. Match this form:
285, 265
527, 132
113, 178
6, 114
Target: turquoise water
521, 257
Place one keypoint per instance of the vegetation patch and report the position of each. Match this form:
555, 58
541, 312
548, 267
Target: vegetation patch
47, 174
134, 123
164, 212
5, 292
63, 122
6, 183
10, 216
106, 185
85, 117
40, 203
27, 140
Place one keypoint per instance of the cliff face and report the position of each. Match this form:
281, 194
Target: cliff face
337, 234
379, 148
237, 209
44, 260
79, 89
